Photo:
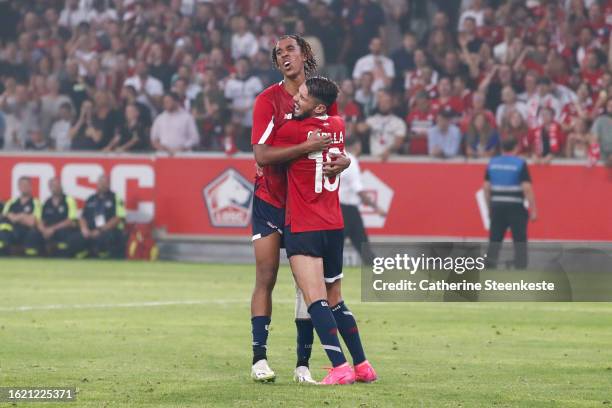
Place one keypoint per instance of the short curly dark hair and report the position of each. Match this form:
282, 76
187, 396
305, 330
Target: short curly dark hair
323, 89
310, 65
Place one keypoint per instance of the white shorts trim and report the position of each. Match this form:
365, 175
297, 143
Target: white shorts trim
256, 236
335, 278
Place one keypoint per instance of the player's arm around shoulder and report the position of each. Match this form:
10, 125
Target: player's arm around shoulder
289, 144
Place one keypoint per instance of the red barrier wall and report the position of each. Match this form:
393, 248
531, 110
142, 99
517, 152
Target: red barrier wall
210, 195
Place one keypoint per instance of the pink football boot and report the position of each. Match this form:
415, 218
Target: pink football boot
343, 374
364, 372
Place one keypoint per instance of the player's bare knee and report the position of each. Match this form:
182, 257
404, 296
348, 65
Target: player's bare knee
334, 292
266, 277
334, 299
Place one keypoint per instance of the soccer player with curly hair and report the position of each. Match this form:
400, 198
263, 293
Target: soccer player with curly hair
293, 57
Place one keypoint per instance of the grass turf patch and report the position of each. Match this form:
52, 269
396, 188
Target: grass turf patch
131, 334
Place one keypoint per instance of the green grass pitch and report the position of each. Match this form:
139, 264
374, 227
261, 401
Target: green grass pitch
178, 335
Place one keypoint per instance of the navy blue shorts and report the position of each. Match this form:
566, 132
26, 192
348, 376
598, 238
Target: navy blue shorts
328, 245
266, 219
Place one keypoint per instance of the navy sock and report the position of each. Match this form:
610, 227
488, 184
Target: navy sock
305, 337
260, 326
325, 325
347, 326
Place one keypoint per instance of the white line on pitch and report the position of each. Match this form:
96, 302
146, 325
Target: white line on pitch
124, 305
494, 306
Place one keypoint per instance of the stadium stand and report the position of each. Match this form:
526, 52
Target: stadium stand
213, 56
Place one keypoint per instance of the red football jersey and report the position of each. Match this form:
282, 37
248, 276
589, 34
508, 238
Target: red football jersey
570, 112
273, 108
420, 122
594, 78
312, 198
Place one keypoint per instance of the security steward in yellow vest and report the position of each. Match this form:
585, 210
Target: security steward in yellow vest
59, 223
18, 223
102, 222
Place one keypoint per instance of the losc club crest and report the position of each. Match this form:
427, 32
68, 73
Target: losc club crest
228, 200
381, 194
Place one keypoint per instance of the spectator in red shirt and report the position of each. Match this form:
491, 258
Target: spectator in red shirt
446, 100
490, 31
348, 108
581, 107
211, 122
414, 77
544, 98
533, 57
425, 81
556, 68
461, 90
592, 70
478, 106
420, 119
548, 139
597, 22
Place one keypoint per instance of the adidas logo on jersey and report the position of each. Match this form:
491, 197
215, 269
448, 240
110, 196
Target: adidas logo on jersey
288, 115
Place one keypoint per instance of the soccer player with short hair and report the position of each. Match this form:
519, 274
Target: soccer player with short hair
314, 229
273, 108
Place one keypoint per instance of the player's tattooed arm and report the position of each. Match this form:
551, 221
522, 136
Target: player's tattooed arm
266, 155
339, 162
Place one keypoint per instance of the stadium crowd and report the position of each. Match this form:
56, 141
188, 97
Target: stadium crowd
438, 78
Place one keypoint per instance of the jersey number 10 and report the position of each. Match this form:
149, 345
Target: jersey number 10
321, 180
